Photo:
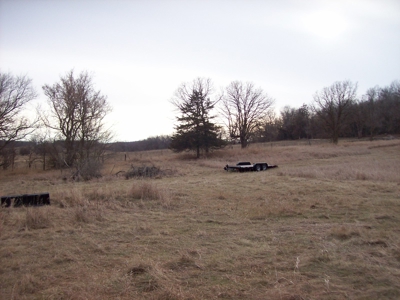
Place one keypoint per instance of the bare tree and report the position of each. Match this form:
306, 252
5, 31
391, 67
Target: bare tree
15, 93
332, 105
244, 108
358, 118
77, 113
371, 112
40, 146
269, 128
389, 106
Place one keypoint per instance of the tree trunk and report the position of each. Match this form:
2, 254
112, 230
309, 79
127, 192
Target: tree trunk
335, 138
243, 142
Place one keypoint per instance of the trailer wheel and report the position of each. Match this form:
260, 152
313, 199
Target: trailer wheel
264, 167
258, 168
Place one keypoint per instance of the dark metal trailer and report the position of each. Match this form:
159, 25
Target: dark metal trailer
26, 200
246, 166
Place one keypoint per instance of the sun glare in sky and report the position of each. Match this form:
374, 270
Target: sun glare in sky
326, 25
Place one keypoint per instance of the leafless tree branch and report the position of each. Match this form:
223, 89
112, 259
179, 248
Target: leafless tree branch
243, 108
15, 93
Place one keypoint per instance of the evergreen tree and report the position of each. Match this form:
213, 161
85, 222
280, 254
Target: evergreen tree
196, 131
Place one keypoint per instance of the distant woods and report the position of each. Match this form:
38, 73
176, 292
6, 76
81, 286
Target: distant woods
70, 131
337, 112
151, 143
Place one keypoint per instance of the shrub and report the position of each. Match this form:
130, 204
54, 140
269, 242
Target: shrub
144, 171
88, 169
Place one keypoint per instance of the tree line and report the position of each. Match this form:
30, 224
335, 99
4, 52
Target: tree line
70, 131
151, 143
337, 112
248, 116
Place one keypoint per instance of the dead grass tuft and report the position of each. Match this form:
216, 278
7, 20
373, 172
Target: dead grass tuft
275, 207
143, 279
81, 214
149, 191
37, 218
144, 190
154, 281
344, 233
28, 284
70, 197
186, 261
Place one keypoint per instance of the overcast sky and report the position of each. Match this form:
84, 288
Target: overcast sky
140, 51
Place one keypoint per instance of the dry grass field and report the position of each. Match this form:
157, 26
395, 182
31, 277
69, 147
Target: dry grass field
324, 225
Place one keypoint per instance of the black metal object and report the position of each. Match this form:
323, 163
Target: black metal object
247, 166
26, 200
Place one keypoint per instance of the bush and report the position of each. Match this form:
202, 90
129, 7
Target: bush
145, 171
88, 169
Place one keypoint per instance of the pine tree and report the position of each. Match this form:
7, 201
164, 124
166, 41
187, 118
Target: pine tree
196, 131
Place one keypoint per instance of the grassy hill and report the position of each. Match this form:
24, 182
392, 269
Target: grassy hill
323, 225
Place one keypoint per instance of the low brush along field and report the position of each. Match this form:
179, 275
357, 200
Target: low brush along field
325, 224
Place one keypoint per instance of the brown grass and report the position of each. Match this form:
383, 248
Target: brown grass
324, 225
